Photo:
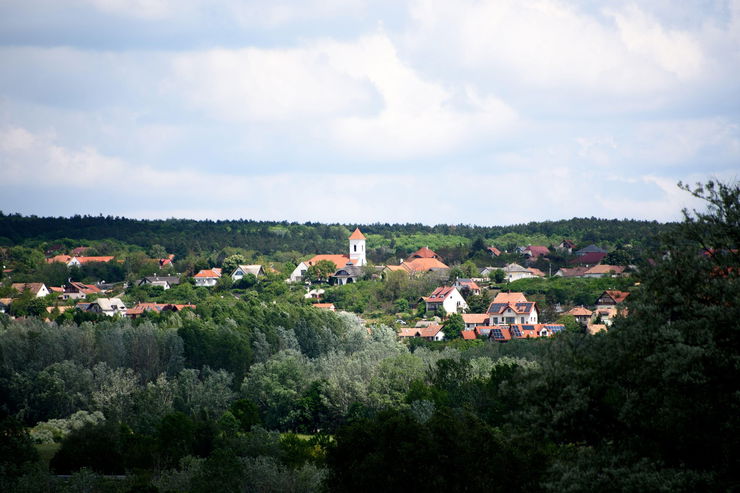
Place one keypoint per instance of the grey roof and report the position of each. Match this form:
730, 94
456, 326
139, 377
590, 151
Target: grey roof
348, 271
591, 249
250, 269
107, 304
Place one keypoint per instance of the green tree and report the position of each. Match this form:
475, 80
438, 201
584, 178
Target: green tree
497, 276
453, 326
157, 251
320, 271
231, 262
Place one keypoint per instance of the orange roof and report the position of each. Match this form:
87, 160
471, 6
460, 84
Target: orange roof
580, 311
56, 289
536, 272
84, 260
357, 235
510, 298
474, 318
468, 335
423, 252
59, 258
424, 264
594, 328
430, 331
440, 294
208, 273
396, 267
325, 306
338, 260
494, 250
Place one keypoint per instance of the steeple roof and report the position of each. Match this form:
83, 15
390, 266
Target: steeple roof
357, 235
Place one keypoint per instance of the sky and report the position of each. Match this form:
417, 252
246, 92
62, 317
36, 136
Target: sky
488, 112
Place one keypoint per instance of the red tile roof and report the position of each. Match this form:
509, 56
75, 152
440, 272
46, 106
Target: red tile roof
357, 235
494, 250
440, 294
59, 258
468, 335
423, 252
536, 272
208, 273
324, 306
617, 296
510, 298
475, 318
536, 250
579, 311
86, 260
430, 331
338, 260
424, 264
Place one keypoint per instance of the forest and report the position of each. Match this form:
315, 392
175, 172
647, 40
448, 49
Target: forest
262, 392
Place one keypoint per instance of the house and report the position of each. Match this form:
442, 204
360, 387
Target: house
581, 314
590, 249
447, 297
536, 272
164, 262
512, 308
166, 282
566, 246
486, 271
139, 309
536, 251
107, 306
468, 335
207, 277
325, 306
80, 261
315, 294
419, 266
571, 271
589, 258
473, 320
346, 275
603, 270
243, 270
37, 289
495, 252
356, 257
514, 272
78, 291
432, 332
469, 285
423, 252
610, 299
79, 251
524, 331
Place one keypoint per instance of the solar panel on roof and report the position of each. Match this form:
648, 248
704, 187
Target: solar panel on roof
497, 334
528, 327
515, 331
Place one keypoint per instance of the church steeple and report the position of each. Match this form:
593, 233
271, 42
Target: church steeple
357, 248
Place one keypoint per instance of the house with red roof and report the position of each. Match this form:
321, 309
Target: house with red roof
536, 251
566, 245
467, 284
589, 258
611, 298
468, 335
473, 320
207, 277
447, 297
325, 306
423, 252
524, 331
495, 252
432, 332
581, 314
78, 291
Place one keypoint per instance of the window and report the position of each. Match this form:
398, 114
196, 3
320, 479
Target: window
355, 247
495, 320
510, 320
522, 319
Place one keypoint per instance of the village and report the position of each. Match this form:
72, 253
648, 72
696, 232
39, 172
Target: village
442, 313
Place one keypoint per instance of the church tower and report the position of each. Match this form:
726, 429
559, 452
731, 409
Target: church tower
357, 248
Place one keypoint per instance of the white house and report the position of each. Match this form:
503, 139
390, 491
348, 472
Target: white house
514, 272
165, 282
447, 297
207, 277
107, 306
37, 289
432, 332
243, 270
512, 308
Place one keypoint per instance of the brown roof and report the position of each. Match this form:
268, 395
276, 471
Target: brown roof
33, 287
605, 269
59, 258
536, 250
357, 235
536, 272
618, 296
573, 271
594, 328
429, 331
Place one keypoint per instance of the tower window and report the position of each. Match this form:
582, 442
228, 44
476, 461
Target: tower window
355, 247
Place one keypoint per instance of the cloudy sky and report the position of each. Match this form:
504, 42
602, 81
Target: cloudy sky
435, 111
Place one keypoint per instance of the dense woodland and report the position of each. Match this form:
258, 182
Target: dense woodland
260, 392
